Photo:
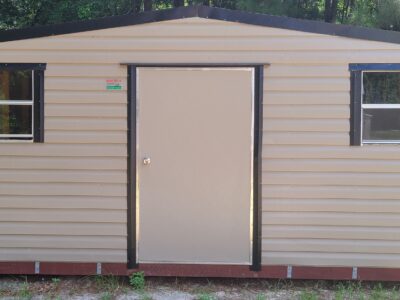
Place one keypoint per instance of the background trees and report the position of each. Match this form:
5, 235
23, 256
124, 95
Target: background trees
374, 13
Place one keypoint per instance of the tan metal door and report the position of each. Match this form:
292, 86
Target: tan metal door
194, 164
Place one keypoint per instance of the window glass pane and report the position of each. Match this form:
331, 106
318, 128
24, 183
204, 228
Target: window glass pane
15, 119
381, 124
381, 87
15, 85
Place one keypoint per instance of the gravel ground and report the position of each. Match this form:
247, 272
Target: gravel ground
110, 287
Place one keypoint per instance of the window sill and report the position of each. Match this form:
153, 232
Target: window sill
6, 141
381, 143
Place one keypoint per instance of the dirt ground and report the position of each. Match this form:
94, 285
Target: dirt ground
111, 287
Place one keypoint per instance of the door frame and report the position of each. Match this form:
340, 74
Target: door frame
257, 155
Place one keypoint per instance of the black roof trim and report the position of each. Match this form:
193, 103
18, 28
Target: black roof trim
101, 23
204, 12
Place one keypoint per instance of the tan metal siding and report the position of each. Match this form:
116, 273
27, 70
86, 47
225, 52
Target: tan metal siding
65, 200
325, 203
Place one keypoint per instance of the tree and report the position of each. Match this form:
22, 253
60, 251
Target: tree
147, 5
330, 13
388, 15
376, 13
26, 13
178, 3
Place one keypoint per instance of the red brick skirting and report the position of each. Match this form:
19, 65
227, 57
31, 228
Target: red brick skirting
330, 273
188, 270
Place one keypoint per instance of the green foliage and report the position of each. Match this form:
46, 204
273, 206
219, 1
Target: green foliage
308, 295
55, 280
363, 13
388, 15
25, 13
299, 9
137, 281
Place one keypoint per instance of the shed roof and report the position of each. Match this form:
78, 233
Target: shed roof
208, 13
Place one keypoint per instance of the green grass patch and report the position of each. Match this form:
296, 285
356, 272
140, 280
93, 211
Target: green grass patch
24, 292
206, 296
308, 295
261, 296
109, 284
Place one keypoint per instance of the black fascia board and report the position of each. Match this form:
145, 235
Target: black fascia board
98, 24
310, 26
207, 12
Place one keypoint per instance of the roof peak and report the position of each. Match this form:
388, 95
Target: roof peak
207, 12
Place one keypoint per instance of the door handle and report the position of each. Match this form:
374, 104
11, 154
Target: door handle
146, 161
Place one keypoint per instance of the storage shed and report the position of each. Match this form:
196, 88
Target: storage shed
200, 141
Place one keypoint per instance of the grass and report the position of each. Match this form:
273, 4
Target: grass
359, 291
109, 287
308, 295
107, 283
348, 290
106, 296
261, 296
205, 296
24, 292
378, 292
145, 296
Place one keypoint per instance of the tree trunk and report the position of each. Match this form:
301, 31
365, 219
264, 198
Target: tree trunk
345, 10
330, 10
148, 5
178, 3
136, 4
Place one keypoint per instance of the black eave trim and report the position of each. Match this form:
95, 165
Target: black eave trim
132, 168
355, 108
257, 155
101, 23
204, 12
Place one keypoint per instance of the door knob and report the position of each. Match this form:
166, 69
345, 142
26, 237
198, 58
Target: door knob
146, 161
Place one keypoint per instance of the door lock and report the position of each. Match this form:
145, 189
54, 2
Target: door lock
146, 161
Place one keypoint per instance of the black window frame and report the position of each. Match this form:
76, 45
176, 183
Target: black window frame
38, 99
356, 110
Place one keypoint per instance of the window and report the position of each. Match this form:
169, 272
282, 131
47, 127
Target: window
375, 109
21, 102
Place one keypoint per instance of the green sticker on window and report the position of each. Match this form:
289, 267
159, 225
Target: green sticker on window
114, 84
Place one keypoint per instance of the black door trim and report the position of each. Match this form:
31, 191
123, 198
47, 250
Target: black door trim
257, 155
131, 168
